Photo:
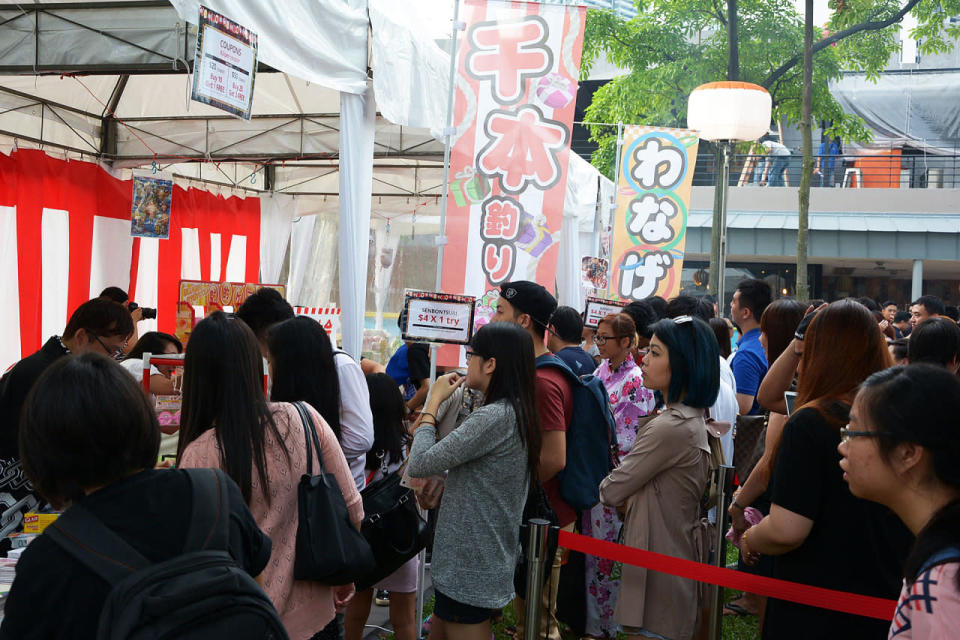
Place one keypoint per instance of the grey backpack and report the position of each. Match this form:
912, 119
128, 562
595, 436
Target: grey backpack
201, 593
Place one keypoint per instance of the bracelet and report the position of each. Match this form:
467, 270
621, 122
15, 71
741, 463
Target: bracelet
426, 424
734, 503
427, 413
799, 354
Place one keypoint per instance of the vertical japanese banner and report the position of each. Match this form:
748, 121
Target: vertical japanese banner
653, 196
516, 92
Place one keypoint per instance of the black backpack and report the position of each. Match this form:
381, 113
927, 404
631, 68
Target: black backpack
201, 593
592, 447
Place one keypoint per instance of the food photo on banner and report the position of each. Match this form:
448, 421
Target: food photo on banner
593, 273
653, 198
516, 89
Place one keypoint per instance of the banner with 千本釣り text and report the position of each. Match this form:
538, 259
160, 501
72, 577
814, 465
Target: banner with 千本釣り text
653, 197
516, 92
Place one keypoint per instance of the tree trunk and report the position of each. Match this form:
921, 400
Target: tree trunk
733, 42
806, 174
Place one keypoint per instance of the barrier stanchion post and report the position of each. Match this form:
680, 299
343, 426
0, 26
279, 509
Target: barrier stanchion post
536, 558
724, 492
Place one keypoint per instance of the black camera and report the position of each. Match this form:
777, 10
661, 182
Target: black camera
146, 312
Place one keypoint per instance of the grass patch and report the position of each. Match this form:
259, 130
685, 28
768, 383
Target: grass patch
734, 627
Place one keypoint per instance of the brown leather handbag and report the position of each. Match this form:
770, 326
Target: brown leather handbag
748, 443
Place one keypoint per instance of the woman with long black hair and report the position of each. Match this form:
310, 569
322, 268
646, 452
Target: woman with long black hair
227, 423
305, 366
492, 457
390, 441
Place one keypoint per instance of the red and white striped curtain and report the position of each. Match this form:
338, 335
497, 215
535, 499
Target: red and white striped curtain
65, 236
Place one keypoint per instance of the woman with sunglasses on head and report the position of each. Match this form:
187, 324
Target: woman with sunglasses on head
492, 459
660, 482
630, 401
819, 533
901, 450
227, 423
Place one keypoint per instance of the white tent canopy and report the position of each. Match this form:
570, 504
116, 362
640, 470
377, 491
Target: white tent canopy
128, 105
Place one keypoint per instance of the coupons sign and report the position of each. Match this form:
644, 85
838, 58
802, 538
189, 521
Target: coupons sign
653, 196
518, 65
438, 317
225, 64
599, 308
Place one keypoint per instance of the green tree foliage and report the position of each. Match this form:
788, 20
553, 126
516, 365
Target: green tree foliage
673, 46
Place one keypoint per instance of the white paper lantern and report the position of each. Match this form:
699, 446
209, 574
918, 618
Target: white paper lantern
729, 111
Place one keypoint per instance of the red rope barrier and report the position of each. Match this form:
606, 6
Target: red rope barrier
842, 601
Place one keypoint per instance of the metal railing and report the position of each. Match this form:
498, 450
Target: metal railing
890, 170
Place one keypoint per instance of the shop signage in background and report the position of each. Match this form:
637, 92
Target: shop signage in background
518, 65
600, 308
653, 197
225, 65
198, 298
328, 317
151, 204
438, 317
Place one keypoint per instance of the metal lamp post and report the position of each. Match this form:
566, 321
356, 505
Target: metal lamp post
726, 112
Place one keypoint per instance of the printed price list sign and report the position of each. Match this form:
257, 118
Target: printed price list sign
225, 64
438, 317
598, 309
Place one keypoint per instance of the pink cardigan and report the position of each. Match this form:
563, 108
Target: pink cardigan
305, 607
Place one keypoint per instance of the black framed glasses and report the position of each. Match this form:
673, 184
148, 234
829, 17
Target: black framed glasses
116, 354
602, 340
847, 433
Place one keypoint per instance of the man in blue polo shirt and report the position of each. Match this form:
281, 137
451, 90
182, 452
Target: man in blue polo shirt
749, 362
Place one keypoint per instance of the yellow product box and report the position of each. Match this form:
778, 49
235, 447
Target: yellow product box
37, 522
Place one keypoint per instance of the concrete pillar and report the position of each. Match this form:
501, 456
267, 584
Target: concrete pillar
916, 289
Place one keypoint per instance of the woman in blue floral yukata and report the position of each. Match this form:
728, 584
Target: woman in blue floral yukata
631, 401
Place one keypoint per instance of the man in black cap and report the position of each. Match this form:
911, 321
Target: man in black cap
530, 305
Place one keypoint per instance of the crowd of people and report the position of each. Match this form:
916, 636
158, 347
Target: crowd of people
844, 435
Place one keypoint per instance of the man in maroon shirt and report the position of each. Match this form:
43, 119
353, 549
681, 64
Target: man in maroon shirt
530, 305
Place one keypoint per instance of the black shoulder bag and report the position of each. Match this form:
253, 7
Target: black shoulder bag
329, 549
392, 526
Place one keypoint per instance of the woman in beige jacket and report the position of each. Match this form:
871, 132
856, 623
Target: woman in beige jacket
660, 482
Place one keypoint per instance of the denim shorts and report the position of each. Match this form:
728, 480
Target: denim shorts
449, 610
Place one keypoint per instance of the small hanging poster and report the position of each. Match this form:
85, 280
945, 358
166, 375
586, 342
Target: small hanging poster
225, 64
151, 205
593, 273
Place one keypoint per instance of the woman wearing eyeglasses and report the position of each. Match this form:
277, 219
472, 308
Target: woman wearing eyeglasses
661, 480
901, 450
492, 457
819, 533
630, 401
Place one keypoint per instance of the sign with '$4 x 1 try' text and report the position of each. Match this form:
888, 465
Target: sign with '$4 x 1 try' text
437, 317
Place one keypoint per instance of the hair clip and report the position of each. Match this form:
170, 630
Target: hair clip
683, 319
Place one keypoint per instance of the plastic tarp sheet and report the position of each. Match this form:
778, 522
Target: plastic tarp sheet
579, 237
322, 41
921, 109
411, 76
276, 224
